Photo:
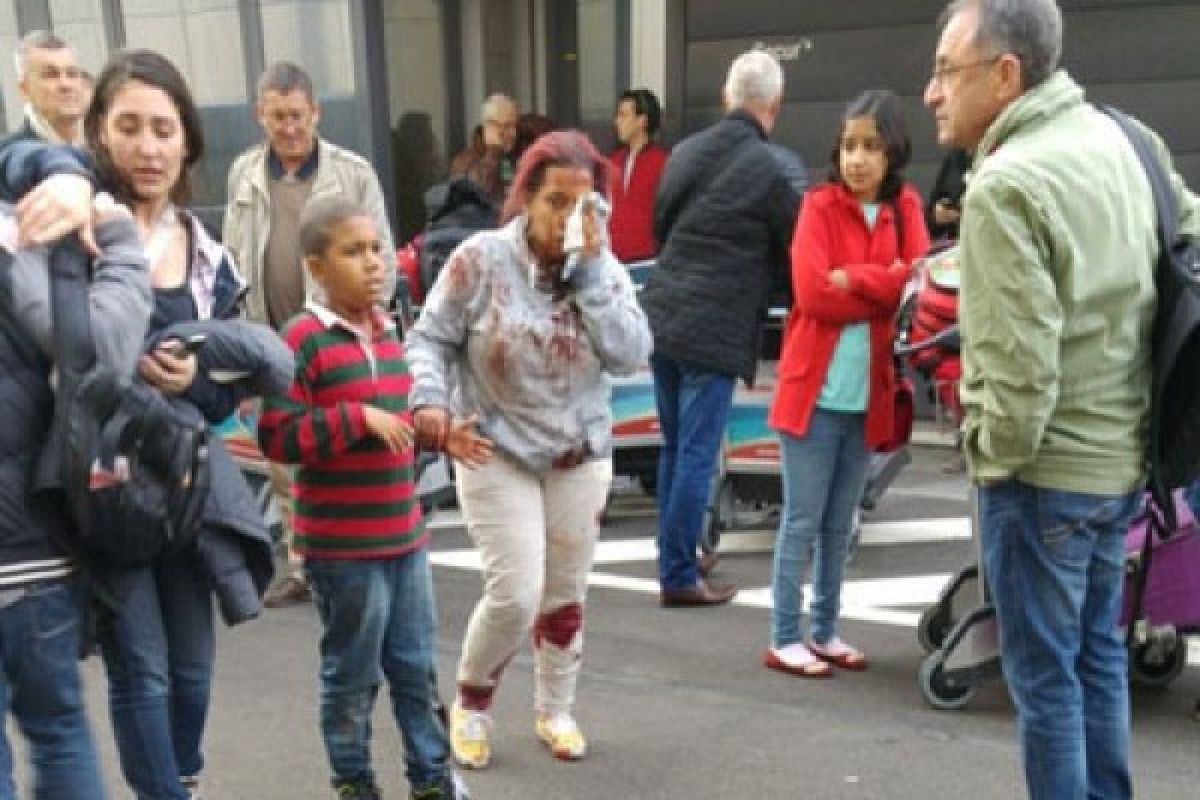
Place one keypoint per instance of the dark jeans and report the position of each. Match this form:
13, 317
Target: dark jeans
1055, 563
39, 682
693, 405
378, 621
159, 652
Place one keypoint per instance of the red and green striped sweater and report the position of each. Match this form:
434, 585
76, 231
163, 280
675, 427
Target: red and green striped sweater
354, 499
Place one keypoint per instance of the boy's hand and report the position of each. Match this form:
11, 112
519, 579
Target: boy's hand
389, 428
466, 446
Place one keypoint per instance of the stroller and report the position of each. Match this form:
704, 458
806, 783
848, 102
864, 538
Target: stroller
959, 631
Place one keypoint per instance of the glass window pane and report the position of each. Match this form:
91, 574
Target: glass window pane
81, 24
416, 105
315, 34
200, 36
203, 39
598, 88
10, 96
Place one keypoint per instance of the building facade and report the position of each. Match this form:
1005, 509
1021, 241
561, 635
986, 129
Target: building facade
400, 81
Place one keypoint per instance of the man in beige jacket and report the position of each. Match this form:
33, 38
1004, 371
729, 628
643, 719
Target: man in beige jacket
270, 185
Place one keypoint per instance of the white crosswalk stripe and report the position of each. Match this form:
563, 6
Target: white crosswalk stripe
883, 601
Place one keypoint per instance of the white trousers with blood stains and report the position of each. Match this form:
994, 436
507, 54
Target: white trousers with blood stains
536, 536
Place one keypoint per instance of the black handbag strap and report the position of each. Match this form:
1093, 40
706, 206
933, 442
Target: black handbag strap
70, 275
1160, 185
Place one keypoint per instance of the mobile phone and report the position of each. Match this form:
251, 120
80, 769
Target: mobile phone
183, 346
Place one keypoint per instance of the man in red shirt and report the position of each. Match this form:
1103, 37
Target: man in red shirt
637, 168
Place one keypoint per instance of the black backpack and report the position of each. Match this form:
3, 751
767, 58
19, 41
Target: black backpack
132, 468
459, 209
1175, 407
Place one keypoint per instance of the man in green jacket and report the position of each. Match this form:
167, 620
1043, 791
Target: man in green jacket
1058, 251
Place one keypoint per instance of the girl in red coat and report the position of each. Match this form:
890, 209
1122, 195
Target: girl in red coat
854, 245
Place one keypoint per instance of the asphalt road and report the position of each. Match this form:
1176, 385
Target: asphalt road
675, 702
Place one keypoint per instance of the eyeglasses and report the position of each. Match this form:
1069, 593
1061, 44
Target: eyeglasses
501, 124
940, 74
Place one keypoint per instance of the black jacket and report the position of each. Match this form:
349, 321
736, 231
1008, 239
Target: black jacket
119, 303
724, 215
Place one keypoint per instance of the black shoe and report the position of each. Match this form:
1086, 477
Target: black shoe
351, 790
702, 594
452, 787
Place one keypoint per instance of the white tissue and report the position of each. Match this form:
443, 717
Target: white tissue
573, 239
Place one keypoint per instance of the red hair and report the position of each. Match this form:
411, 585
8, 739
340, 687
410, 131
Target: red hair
555, 149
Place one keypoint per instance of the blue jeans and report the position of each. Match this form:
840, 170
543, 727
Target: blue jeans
1054, 562
823, 475
39, 681
159, 649
378, 621
693, 405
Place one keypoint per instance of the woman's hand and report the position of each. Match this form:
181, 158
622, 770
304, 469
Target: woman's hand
432, 425
839, 278
466, 446
593, 233
168, 370
945, 214
387, 427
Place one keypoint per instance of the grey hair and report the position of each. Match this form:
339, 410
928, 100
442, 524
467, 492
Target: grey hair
35, 40
492, 103
1029, 29
754, 76
284, 77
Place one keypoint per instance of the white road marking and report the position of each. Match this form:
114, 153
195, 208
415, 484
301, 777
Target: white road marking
883, 601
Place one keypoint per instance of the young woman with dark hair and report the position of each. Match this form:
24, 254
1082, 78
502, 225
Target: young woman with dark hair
853, 249
144, 133
521, 335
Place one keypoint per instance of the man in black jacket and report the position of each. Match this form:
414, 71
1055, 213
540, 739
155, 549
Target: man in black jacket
724, 216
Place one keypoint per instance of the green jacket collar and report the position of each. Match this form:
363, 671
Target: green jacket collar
1055, 95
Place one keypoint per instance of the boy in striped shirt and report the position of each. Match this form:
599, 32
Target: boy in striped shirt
357, 516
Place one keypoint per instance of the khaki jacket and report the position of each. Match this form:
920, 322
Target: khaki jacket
248, 215
1058, 248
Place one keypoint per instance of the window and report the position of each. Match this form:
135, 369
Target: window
10, 96
598, 87
316, 35
203, 39
81, 24
416, 105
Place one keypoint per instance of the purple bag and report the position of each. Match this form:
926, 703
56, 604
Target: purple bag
1172, 595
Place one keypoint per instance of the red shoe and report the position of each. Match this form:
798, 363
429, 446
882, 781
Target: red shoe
840, 654
796, 659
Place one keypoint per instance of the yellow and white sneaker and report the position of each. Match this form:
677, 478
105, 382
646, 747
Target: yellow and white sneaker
562, 735
469, 731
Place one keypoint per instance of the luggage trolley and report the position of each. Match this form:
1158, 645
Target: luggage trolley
636, 436
960, 635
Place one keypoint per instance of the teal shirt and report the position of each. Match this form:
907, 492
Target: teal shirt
845, 386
